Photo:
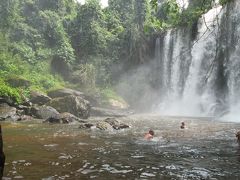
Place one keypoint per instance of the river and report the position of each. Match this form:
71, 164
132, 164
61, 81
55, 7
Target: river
206, 149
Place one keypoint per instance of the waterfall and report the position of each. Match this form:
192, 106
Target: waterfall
201, 76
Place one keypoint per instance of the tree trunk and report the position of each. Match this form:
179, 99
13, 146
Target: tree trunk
2, 155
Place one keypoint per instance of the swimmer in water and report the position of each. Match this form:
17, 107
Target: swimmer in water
182, 125
238, 137
149, 135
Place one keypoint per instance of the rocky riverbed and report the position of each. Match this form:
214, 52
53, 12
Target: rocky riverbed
61, 106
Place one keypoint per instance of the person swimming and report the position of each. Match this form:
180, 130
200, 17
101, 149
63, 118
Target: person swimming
182, 125
149, 135
238, 137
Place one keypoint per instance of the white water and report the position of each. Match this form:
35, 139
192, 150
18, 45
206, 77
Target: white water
192, 76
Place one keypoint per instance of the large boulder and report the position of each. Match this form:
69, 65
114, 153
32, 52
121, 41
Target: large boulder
93, 99
44, 112
64, 92
7, 112
39, 98
72, 104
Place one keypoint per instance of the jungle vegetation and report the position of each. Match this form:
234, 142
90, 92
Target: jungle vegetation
47, 44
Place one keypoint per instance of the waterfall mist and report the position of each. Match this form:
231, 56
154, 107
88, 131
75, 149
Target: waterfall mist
193, 75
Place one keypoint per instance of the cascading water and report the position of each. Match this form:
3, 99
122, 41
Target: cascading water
201, 76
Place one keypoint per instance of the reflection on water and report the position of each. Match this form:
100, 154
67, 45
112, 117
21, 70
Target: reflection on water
206, 150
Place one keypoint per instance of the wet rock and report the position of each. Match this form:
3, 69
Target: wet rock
53, 120
7, 111
14, 118
72, 104
68, 118
64, 118
64, 92
44, 112
116, 124
24, 110
20, 112
39, 98
26, 118
27, 103
104, 126
86, 125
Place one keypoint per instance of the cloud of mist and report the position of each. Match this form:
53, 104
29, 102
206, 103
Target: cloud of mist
137, 87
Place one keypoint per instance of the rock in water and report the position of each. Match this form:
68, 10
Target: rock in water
116, 124
104, 126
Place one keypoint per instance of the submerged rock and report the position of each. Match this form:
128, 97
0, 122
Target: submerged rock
111, 123
64, 118
68, 118
72, 104
104, 126
86, 125
53, 120
116, 124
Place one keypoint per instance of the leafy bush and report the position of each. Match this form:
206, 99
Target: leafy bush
7, 91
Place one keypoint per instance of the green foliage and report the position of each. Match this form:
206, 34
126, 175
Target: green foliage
170, 15
25, 51
171, 12
9, 13
38, 75
7, 91
86, 39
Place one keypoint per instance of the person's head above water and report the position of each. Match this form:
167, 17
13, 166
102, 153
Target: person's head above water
182, 125
151, 132
149, 135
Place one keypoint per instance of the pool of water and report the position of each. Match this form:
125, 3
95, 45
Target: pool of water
207, 149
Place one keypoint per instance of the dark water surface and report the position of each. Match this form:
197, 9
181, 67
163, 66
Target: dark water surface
206, 150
